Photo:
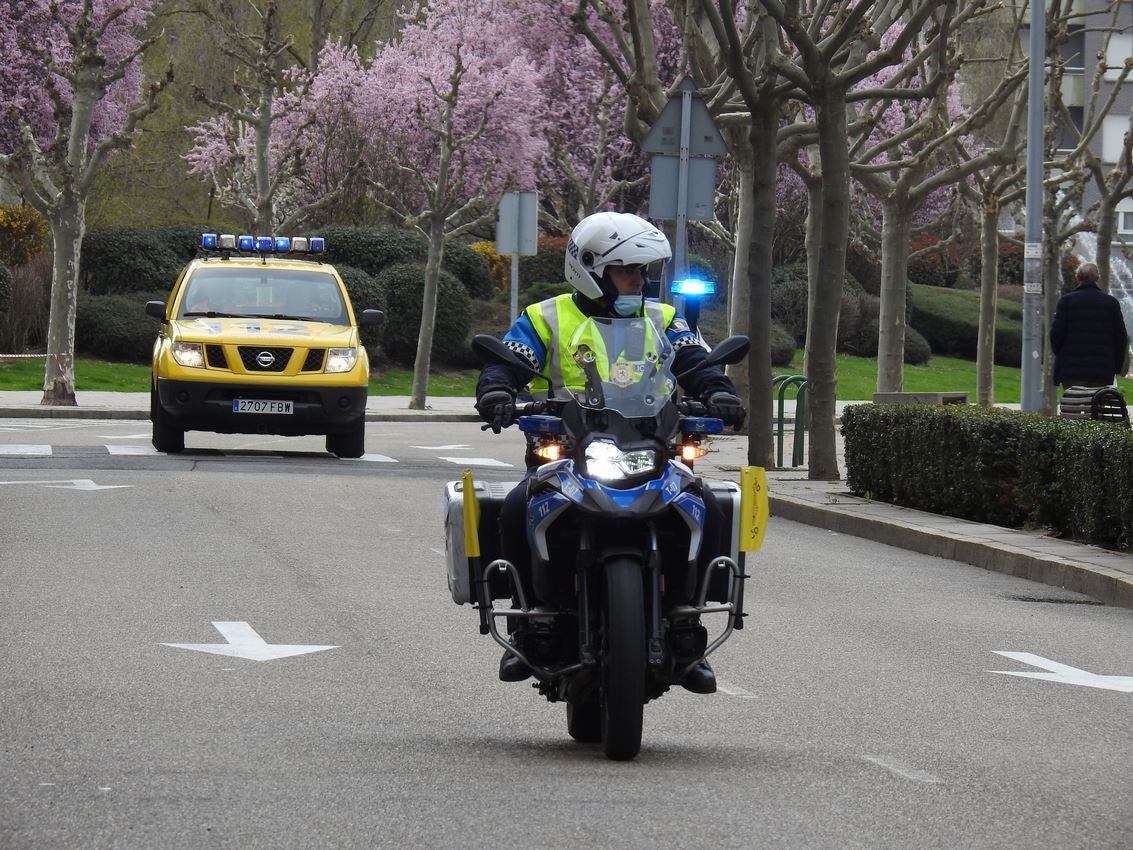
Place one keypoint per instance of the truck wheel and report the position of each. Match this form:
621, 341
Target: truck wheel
623, 660
167, 437
351, 443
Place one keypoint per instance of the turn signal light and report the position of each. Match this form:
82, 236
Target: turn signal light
550, 451
691, 451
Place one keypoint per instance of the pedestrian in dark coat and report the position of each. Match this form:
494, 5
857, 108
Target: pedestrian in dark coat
1088, 335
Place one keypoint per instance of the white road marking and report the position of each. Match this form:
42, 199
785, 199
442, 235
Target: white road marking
904, 771
72, 484
25, 450
373, 458
1064, 673
477, 461
733, 690
244, 642
131, 450
124, 436
448, 448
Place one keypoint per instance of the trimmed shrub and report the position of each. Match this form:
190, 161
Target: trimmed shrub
126, 260
23, 234
995, 465
404, 285
546, 266
917, 350
5, 294
470, 268
865, 265
114, 327
782, 345
365, 293
949, 321
499, 268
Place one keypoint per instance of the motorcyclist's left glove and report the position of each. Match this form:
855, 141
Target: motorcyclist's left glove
497, 408
726, 406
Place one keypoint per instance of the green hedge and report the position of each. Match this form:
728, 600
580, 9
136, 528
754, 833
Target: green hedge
365, 293
404, 285
996, 466
949, 320
125, 259
115, 327
373, 249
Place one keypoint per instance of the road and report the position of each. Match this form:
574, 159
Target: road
857, 709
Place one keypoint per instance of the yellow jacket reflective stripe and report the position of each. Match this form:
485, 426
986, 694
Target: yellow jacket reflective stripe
557, 319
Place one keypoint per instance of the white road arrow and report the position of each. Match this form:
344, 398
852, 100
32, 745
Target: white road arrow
244, 642
1064, 673
72, 484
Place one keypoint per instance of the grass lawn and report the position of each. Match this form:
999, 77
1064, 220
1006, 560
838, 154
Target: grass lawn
857, 378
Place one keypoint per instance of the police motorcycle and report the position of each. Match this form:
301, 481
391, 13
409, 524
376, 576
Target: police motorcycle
615, 523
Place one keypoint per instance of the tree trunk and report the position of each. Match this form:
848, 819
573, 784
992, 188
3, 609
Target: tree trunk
263, 224
1107, 224
895, 228
989, 295
826, 300
67, 226
428, 312
739, 288
764, 130
1052, 288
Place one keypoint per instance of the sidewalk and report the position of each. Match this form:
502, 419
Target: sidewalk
1104, 575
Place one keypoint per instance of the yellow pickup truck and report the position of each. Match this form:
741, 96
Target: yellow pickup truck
258, 338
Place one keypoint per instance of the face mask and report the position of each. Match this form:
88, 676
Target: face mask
626, 305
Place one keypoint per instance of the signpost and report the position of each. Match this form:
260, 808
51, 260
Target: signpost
517, 232
684, 143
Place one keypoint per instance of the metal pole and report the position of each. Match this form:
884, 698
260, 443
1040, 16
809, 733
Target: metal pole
680, 246
515, 281
1031, 378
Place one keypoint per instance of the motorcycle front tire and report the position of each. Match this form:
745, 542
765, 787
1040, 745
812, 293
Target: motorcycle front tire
622, 693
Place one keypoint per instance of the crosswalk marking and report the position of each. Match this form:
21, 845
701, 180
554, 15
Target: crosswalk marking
118, 450
477, 461
131, 450
25, 450
374, 458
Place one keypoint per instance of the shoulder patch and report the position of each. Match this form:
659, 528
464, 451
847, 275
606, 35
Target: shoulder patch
679, 325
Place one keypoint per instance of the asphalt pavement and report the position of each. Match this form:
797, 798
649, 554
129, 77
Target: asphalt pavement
1104, 575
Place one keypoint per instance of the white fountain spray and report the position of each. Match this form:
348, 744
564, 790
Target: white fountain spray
1120, 280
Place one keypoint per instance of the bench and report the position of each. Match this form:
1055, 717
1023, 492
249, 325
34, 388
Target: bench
1102, 404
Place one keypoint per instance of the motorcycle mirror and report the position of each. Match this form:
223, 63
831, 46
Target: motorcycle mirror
731, 350
491, 350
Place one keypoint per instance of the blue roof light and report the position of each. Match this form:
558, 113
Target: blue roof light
245, 243
282, 243
693, 286
264, 244
317, 245
208, 240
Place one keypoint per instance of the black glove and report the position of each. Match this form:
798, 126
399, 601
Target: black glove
497, 408
724, 405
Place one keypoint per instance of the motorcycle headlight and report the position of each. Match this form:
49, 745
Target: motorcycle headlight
341, 359
607, 462
190, 354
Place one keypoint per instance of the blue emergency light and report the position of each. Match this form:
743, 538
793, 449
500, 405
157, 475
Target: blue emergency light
693, 286
263, 244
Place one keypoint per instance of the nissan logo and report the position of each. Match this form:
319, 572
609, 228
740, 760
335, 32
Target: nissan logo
265, 359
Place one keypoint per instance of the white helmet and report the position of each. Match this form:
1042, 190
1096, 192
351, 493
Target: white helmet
610, 239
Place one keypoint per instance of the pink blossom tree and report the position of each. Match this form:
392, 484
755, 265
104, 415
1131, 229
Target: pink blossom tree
70, 96
454, 108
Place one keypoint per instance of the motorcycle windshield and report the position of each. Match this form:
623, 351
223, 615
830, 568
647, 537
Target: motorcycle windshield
625, 366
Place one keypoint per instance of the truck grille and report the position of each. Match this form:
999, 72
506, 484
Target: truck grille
264, 359
314, 361
216, 358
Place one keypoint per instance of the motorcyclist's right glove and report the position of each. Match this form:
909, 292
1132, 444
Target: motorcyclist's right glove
497, 408
726, 406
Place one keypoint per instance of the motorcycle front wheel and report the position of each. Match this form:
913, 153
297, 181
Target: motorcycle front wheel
622, 700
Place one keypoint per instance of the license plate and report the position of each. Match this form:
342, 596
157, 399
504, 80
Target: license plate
261, 406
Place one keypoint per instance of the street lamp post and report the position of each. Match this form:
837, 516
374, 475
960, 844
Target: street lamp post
1031, 378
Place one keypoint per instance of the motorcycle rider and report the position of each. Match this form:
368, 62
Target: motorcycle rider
606, 258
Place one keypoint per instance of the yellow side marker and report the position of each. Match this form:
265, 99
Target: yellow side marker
754, 507
471, 517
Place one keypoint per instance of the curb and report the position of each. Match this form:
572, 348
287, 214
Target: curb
1110, 586
47, 412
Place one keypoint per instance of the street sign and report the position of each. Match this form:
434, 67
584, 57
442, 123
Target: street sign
704, 138
517, 229
663, 184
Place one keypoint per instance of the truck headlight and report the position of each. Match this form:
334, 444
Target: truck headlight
191, 354
606, 462
341, 359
